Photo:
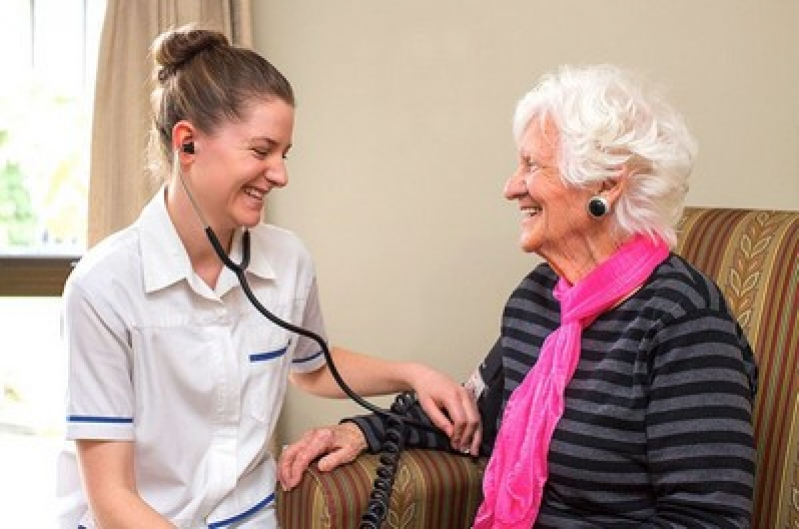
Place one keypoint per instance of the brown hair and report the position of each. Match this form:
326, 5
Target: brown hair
200, 77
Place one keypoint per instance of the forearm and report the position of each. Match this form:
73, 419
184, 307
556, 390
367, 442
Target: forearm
486, 384
123, 509
366, 375
110, 484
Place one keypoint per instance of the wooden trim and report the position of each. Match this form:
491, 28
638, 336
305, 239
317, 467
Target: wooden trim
34, 276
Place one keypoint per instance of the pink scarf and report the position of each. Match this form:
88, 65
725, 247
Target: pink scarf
517, 471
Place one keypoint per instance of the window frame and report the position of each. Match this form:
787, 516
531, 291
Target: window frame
32, 275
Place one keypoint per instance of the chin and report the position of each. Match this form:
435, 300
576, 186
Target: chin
247, 215
250, 221
529, 245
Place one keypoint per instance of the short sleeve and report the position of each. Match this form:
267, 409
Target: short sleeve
100, 398
308, 355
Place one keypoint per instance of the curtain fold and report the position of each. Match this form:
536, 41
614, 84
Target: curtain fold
119, 183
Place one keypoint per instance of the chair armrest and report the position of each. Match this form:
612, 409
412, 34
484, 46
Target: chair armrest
432, 489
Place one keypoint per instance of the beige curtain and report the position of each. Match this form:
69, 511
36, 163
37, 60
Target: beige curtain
119, 184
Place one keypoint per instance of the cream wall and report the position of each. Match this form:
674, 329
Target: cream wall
402, 145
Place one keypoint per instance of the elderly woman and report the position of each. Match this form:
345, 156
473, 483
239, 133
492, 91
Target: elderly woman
619, 392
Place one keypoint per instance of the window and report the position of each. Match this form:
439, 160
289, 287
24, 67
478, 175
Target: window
48, 63
45, 126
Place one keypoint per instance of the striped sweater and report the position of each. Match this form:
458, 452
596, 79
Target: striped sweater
657, 430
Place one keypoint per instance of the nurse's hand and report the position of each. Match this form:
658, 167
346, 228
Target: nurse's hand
449, 406
336, 445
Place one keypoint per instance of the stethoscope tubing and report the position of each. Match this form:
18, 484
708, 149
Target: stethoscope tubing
239, 270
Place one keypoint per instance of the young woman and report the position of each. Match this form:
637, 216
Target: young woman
175, 380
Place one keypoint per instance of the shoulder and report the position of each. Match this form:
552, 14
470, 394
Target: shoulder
531, 308
116, 257
684, 308
106, 277
541, 280
677, 287
534, 292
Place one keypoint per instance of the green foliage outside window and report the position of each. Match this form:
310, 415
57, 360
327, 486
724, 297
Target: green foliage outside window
17, 218
43, 170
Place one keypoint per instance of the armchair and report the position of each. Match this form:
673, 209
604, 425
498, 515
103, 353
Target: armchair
754, 257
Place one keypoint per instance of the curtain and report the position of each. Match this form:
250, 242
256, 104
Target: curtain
119, 184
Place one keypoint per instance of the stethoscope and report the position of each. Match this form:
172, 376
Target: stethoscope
239, 270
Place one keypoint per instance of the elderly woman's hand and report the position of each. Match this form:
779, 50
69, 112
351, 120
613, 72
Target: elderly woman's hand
336, 445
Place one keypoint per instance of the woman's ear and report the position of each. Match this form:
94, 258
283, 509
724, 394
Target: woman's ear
183, 137
613, 187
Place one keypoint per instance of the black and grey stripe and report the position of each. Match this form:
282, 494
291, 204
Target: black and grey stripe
657, 429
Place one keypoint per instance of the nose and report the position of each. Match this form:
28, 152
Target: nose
277, 174
516, 185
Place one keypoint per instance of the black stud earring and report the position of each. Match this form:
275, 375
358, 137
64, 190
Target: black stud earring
598, 206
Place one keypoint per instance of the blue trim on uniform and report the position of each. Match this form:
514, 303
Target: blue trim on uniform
249, 512
262, 357
307, 358
98, 419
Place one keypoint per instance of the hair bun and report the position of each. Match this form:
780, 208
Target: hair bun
174, 48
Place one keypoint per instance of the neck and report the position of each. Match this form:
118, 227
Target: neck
574, 262
204, 261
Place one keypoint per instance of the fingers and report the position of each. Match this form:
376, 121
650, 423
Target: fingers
469, 435
457, 415
472, 431
336, 459
438, 418
477, 438
349, 442
453, 409
296, 458
337, 444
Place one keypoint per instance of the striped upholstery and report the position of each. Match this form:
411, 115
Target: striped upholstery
431, 489
754, 257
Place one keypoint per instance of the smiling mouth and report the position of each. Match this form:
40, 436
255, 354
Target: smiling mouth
254, 193
531, 211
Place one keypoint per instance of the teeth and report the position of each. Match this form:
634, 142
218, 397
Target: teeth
254, 193
531, 211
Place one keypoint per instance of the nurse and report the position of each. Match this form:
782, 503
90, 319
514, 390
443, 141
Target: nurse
175, 380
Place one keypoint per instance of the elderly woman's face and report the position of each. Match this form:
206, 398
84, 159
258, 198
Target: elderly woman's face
554, 223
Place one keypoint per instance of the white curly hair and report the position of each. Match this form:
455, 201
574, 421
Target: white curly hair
612, 122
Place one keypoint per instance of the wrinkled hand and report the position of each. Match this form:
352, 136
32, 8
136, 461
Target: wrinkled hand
337, 444
452, 408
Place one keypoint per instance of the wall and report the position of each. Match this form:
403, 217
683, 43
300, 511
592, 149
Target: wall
403, 144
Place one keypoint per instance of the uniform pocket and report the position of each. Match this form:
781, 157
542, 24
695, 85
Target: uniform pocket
267, 378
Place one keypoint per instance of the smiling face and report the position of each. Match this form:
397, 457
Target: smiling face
236, 166
555, 223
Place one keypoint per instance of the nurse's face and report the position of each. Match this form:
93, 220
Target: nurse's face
242, 161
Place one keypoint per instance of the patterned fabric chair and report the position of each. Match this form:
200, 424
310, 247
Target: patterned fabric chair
754, 257
431, 490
